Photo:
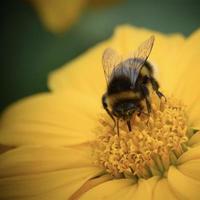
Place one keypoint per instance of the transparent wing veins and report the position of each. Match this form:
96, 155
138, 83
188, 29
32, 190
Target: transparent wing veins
139, 57
110, 60
133, 64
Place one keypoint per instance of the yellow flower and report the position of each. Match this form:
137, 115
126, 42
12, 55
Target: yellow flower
61, 145
58, 15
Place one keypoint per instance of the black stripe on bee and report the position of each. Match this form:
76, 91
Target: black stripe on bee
121, 79
119, 84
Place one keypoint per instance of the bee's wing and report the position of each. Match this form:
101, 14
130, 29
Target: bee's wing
139, 57
110, 60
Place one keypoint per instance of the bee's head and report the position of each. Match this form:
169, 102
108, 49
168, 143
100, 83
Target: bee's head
125, 109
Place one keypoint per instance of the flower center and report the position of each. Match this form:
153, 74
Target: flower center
155, 142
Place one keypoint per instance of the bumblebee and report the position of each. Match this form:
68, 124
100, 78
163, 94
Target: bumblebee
128, 83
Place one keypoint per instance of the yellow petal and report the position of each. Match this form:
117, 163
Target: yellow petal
191, 154
125, 39
112, 190
50, 119
145, 188
191, 169
84, 74
194, 140
90, 184
122, 189
39, 159
183, 186
187, 88
163, 191
58, 15
60, 184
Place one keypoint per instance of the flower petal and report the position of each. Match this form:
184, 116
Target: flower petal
57, 16
125, 39
90, 184
114, 189
145, 188
183, 186
56, 171
186, 87
191, 154
163, 191
46, 185
50, 119
194, 140
84, 73
27, 160
191, 169
122, 189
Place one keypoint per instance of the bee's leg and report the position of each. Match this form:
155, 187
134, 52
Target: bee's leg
148, 105
141, 112
129, 125
105, 106
145, 93
155, 87
117, 126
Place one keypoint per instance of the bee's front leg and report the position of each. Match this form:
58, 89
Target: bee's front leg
129, 125
145, 93
155, 87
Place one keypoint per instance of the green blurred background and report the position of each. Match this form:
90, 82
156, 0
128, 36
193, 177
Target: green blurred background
29, 52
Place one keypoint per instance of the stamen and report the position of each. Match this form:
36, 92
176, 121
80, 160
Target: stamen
155, 142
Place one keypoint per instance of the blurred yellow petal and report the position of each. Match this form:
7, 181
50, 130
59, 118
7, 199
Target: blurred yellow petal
183, 186
50, 119
46, 184
191, 154
194, 140
187, 88
39, 159
84, 74
163, 191
112, 190
125, 39
191, 169
58, 15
